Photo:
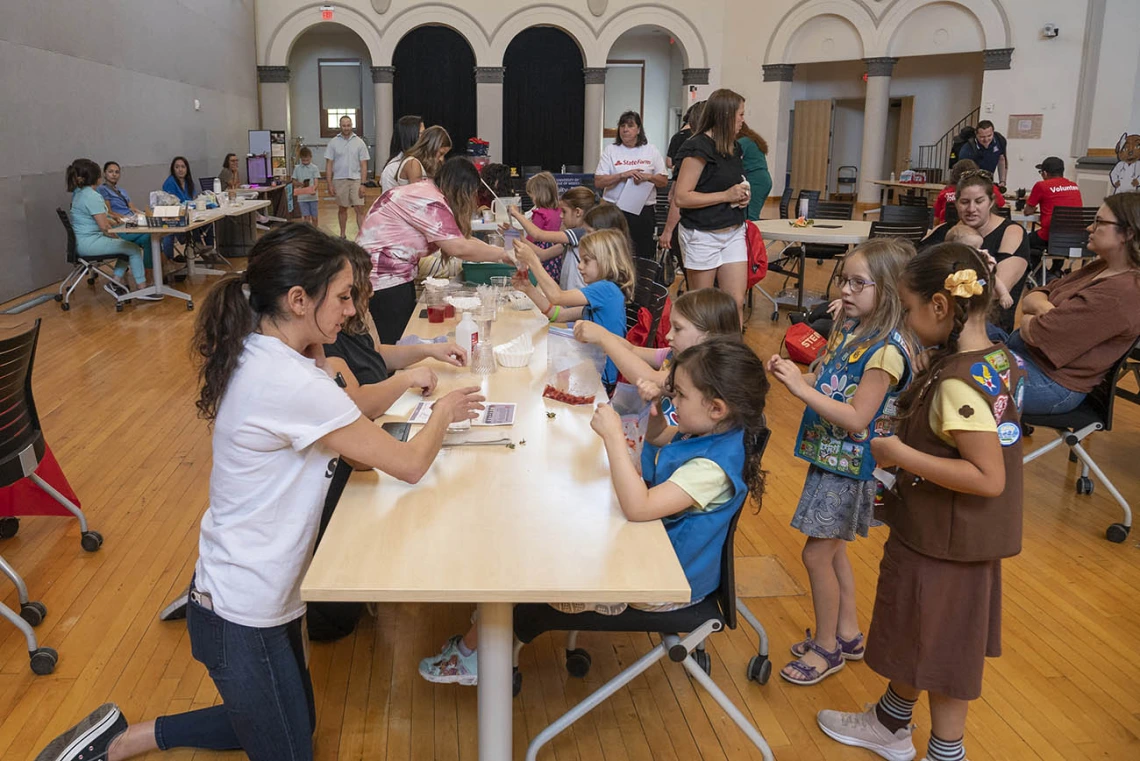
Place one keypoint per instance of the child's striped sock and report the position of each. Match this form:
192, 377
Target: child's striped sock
945, 750
894, 712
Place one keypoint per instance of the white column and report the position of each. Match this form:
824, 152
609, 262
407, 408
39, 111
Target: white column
875, 113
382, 77
773, 123
594, 113
489, 108
273, 91
999, 89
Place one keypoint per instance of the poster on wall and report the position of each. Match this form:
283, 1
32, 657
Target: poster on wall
277, 153
1025, 126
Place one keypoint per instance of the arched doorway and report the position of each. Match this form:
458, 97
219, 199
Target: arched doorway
543, 100
643, 74
329, 68
435, 78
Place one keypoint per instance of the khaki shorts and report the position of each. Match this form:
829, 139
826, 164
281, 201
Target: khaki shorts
347, 193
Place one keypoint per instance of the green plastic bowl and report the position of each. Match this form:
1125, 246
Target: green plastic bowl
481, 273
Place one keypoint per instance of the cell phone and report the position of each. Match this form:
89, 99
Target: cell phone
423, 314
828, 227
398, 431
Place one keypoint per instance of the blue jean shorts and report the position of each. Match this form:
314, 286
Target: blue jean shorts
308, 208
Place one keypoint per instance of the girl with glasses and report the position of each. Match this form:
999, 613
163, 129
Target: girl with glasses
851, 398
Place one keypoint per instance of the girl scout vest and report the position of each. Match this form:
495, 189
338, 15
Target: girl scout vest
836, 449
698, 537
950, 525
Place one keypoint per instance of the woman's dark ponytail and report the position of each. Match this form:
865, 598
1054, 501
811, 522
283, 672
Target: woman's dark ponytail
293, 255
82, 173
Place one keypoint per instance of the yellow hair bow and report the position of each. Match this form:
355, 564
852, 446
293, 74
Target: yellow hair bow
964, 284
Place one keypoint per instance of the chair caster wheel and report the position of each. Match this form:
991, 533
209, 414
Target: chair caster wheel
1084, 485
578, 663
33, 612
1117, 533
1073, 456
91, 541
759, 669
703, 659
44, 660
189, 306
65, 306
91, 281
516, 683
118, 306
9, 527
776, 316
59, 297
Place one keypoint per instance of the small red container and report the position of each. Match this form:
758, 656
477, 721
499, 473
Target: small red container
437, 314
449, 312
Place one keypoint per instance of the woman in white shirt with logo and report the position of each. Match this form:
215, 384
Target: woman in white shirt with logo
629, 163
279, 423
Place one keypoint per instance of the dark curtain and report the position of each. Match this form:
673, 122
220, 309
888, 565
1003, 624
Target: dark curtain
544, 97
435, 78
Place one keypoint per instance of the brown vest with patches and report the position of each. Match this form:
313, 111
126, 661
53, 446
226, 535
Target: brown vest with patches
951, 525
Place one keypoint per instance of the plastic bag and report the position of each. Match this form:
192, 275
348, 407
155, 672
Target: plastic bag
634, 412
574, 369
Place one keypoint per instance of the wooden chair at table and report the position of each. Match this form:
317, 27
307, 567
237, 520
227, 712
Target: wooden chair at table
1092, 415
696, 623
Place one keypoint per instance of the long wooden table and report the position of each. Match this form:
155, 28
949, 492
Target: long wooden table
495, 525
197, 219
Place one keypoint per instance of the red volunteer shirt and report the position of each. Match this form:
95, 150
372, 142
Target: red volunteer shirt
1049, 194
949, 194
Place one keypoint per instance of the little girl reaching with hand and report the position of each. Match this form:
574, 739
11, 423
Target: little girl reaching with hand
546, 215
954, 512
695, 477
850, 399
606, 268
562, 241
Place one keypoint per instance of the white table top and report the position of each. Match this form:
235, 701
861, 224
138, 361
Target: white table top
824, 231
537, 523
915, 185
1017, 216
197, 219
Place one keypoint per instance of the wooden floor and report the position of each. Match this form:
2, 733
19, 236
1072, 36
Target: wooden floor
115, 395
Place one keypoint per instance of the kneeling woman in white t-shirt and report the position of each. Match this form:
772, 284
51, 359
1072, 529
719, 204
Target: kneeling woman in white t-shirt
279, 424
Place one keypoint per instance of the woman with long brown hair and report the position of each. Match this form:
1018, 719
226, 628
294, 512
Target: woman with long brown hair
424, 158
411, 221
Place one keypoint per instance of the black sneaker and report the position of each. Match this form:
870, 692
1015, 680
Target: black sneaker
89, 739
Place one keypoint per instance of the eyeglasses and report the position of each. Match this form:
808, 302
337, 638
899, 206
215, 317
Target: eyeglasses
856, 284
1097, 222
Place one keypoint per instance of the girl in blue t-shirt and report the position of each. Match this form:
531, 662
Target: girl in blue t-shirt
851, 397
607, 269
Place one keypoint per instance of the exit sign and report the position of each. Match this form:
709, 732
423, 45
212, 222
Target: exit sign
326, 12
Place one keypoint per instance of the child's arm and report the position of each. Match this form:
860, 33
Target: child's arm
638, 501
542, 303
855, 416
980, 471
374, 399
634, 362
527, 253
658, 432
536, 232
556, 250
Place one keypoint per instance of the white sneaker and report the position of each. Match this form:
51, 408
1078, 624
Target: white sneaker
864, 730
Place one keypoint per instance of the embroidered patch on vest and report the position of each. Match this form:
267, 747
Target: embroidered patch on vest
985, 377
998, 360
999, 406
1019, 397
966, 411
1008, 434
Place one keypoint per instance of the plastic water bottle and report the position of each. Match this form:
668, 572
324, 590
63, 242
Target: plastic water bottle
804, 207
892, 176
217, 187
467, 334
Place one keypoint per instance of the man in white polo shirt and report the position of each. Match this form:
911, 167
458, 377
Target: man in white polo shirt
346, 162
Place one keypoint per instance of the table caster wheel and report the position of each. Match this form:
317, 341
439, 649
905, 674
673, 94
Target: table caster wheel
33, 612
759, 669
1117, 533
578, 663
91, 541
9, 527
44, 660
1084, 485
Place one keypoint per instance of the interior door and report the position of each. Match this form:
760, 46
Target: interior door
906, 127
811, 144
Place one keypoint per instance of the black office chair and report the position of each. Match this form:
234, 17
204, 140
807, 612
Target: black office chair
1068, 237
573, 169
85, 266
785, 201
913, 233
907, 215
1094, 414
650, 295
812, 197
21, 449
951, 217
913, 200
712, 614
1131, 367
207, 184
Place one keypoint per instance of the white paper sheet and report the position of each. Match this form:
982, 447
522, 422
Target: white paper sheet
633, 196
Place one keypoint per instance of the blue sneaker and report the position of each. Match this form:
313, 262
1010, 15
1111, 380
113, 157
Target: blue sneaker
451, 666
89, 739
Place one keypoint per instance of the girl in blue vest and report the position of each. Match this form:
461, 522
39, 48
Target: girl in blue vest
694, 477
851, 398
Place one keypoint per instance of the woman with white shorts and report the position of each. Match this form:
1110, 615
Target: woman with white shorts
712, 195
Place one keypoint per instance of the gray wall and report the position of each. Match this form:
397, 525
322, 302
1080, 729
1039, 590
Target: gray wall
111, 79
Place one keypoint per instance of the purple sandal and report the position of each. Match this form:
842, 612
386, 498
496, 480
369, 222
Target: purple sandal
852, 649
806, 675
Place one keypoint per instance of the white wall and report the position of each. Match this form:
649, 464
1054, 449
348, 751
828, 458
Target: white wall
111, 80
325, 41
662, 64
1116, 107
847, 137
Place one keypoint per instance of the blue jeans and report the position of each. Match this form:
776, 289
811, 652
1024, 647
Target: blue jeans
1043, 395
267, 696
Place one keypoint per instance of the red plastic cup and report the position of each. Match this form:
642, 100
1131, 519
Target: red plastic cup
437, 314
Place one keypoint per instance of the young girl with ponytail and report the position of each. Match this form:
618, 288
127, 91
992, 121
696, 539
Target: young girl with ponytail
279, 423
954, 512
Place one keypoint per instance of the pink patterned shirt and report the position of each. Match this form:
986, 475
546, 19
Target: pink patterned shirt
403, 226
